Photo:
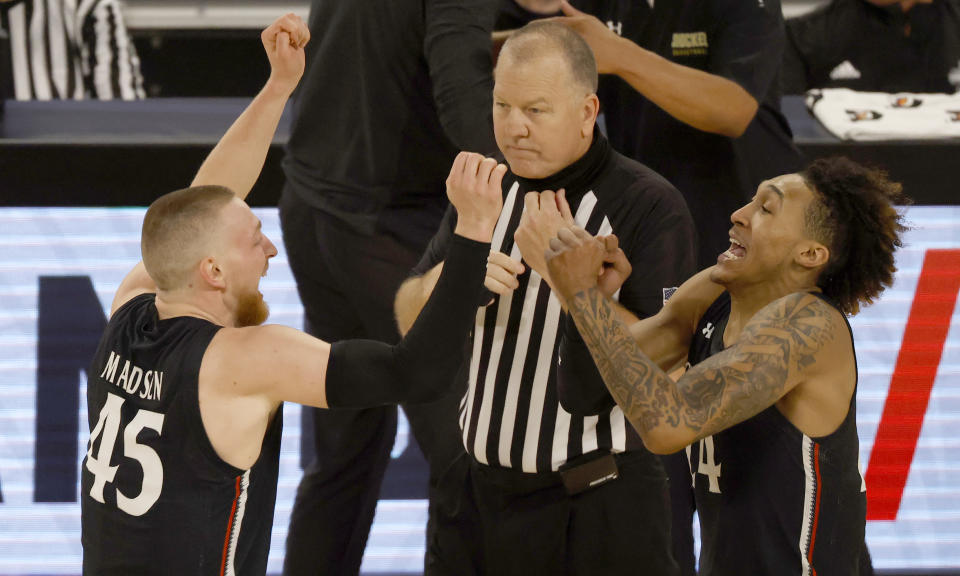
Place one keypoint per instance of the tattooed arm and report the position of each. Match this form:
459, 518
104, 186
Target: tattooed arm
776, 351
664, 338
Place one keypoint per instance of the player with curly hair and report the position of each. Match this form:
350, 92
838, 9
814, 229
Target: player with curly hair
766, 409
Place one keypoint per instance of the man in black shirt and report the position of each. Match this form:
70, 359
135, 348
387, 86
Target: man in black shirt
394, 89
547, 492
696, 97
875, 46
767, 405
197, 385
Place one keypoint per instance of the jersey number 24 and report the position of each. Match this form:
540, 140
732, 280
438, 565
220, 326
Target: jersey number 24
705, 464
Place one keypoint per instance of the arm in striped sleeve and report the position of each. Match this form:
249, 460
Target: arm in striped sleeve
112, 67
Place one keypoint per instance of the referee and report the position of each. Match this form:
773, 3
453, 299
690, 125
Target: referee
60, 50
546, 492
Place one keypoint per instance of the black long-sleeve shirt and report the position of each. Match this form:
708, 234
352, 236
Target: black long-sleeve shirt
393, 90
855, 44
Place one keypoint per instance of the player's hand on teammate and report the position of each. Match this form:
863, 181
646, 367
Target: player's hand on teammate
502, 272
283, 42
544, 214
602, 40
473, 188
575, 260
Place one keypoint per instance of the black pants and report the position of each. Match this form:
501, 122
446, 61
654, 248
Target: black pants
347, 282
507, 523
682, 507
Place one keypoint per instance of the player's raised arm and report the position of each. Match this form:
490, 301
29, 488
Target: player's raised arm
282, 364
470, 174
238, 157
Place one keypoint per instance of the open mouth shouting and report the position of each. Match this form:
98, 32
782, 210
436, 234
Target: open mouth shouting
735, 252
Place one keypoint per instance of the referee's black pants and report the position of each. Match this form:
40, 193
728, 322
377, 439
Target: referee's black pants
508, 523
347, 282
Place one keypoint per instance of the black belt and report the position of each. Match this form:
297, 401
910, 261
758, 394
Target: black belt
578, 475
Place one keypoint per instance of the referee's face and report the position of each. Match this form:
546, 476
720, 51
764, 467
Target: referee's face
542, 119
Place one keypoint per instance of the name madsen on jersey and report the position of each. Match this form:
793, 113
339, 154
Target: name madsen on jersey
131, 377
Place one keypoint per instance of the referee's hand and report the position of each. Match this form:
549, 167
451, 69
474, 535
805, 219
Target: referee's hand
283, 41
502, 272
544, 213
616, 268
474, 189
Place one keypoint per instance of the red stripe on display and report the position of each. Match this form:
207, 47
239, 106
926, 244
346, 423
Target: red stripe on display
816, 507
912, 382
230, 521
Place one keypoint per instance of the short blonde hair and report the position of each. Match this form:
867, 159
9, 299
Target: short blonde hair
176, 232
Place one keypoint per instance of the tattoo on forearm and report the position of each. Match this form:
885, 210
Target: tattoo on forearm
773, 350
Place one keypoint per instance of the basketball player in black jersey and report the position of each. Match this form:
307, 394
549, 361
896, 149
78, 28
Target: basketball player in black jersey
766, 408
185, 390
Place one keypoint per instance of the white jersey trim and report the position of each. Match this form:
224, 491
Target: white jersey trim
809, 504
237, 522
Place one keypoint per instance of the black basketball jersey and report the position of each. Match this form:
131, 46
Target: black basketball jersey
155, 497
771, 499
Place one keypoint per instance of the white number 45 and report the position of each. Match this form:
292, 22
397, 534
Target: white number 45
107, 428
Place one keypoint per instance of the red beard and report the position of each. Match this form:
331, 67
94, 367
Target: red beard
251, 310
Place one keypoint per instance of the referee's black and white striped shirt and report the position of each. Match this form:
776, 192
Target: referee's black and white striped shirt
71, 49
511, 415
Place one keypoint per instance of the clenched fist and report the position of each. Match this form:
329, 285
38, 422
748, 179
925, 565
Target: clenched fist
544, 213
616, 267
474, 189
575, 260
283, 41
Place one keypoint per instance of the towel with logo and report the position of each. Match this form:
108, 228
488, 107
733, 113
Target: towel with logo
851, 115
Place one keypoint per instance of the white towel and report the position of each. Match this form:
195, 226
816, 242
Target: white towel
851, 115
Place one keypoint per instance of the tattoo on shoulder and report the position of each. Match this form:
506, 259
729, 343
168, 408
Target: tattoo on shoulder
774, 351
